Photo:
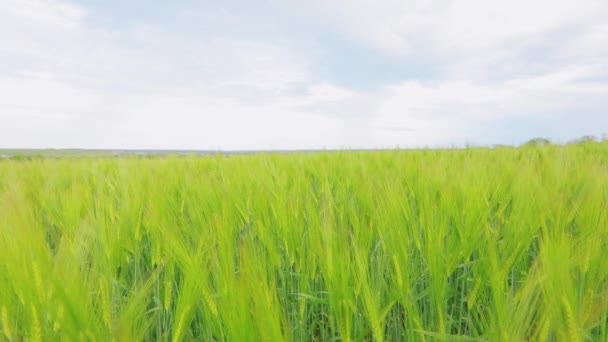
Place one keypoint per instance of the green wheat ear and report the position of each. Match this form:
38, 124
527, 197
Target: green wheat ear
6, 323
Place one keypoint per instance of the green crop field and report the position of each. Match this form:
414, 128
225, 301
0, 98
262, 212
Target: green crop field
505, 244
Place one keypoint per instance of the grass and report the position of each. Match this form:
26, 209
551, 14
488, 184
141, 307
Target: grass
457, 245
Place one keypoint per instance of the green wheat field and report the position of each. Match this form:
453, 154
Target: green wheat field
476, 244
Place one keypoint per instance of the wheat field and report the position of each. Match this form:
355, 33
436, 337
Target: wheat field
477, 244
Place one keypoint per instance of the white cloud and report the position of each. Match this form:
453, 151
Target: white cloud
455, 26
478, 24
86, 87
67, 84
468, 100
515, 60
39, 93
46, 13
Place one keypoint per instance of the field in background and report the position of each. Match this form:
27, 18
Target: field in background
474, 244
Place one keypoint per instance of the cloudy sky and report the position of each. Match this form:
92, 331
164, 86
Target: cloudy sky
200, 74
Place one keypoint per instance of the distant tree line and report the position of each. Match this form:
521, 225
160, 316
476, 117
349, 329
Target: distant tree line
539, 141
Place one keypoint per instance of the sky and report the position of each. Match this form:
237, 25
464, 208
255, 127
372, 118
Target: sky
314, 74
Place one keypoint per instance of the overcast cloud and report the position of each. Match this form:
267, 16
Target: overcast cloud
300, 75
